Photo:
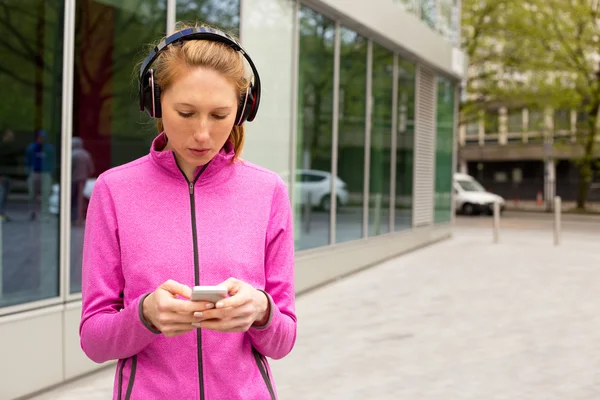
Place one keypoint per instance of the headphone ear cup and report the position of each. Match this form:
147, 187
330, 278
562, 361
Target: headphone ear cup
157, 105
146, 96
245, 107
150, 94
253, 104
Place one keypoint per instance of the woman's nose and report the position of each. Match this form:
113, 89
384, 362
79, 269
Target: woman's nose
201, 133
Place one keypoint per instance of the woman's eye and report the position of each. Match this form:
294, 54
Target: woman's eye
219, 116
185, 115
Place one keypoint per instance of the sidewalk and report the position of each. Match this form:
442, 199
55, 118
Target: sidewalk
464, 319
532, 205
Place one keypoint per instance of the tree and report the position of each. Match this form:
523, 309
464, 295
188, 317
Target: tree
30, 57
317, 34
569, 58
488, 25
541, 52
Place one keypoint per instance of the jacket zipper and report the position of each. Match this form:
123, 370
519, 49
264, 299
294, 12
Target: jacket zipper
264, 371
196, 268
131, 377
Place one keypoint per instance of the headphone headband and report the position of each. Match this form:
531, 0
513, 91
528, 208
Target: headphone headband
199, 33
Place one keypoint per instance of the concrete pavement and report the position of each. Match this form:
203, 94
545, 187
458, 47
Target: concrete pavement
460, 320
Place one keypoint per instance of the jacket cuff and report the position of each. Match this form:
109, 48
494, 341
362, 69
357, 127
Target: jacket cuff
147, 324
271, 306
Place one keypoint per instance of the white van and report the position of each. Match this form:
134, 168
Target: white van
471, 198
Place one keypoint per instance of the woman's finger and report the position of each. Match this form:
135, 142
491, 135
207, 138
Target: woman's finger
174, 318
240, 324
239, 299
190, 307
177, 329
245, 310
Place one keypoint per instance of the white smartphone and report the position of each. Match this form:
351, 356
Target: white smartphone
208, 293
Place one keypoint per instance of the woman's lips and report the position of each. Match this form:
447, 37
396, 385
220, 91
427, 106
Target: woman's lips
199, 152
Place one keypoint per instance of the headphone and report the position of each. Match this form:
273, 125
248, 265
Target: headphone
149, 91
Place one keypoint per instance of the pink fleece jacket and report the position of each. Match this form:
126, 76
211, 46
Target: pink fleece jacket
142, 220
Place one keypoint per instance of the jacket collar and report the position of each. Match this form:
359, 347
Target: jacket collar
216, 171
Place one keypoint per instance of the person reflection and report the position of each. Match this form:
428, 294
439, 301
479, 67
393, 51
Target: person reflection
82, 169
39, 164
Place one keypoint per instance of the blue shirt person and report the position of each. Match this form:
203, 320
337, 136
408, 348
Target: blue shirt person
39, 164
39, 156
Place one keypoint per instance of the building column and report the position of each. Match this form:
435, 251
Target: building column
503, 126
525, 120
462, 167
481, 128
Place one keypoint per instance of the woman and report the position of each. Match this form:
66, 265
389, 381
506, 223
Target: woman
191, 213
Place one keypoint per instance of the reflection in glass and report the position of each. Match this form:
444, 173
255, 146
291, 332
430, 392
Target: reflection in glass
108, 128
444, 147
411, 6
30, 136
429, 12
315, 98
351, 152
221, 14
381, 131
448, 19
405, 149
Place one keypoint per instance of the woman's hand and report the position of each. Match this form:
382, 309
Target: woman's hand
245, 307
170, 315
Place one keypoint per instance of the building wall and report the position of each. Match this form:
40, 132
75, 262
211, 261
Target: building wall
524, 180
340, 97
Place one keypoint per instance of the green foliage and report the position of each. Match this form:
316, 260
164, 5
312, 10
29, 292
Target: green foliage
535, 53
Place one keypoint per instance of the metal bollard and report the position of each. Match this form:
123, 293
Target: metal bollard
496, 222
557, 217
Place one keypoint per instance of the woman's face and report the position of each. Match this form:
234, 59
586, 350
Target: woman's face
198, 113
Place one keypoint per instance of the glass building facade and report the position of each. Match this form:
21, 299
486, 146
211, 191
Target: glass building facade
339, 122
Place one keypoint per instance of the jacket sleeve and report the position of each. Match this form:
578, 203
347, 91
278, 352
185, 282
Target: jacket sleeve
108, 329
276, 339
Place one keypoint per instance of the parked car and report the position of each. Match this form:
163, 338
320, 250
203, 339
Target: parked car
54, 200
472, 199
314, 187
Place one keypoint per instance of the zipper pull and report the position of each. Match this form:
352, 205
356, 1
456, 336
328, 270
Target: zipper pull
191, 188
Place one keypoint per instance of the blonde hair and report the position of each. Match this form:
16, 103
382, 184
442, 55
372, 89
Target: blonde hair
203, 53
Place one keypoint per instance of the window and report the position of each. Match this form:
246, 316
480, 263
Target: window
470, 186
351, 152
272, 128
405, 145
110, 40
30, 137
444, 151
315, 98
448, 17
221, 14
381, 132
308, 177
429, 12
